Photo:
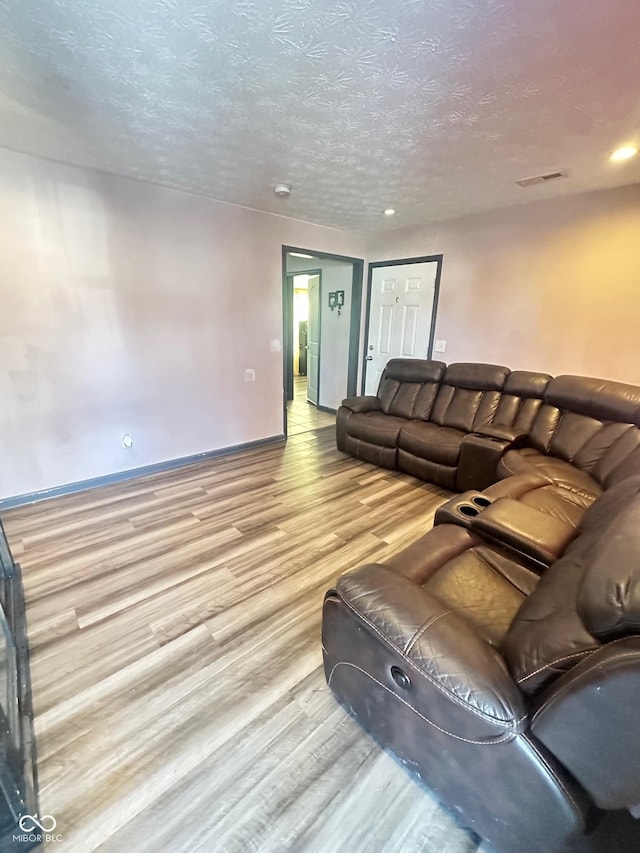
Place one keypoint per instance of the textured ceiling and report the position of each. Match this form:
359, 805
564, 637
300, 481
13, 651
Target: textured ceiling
434, 108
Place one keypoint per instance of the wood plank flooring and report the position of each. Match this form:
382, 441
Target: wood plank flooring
174, 626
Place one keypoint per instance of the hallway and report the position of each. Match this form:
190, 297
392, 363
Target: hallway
303, 416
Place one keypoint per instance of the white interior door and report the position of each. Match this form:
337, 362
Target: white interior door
400, 314
313, 340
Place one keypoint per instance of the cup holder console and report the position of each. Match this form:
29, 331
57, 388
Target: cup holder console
462, 509
468, 510
481, 501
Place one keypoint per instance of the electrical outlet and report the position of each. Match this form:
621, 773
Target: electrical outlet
249, 375
440, 346
276, 346
127, 441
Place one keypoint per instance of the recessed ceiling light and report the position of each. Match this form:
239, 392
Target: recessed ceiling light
299, 255
624, 153
389, 211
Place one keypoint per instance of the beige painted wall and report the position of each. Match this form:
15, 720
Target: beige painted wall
551, 286
126, 307
130, 308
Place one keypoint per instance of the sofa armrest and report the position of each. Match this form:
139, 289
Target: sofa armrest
502, 432
362, 404
468, 681
524, 529
478, 463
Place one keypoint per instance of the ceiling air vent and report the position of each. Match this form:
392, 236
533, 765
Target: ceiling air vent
542, 179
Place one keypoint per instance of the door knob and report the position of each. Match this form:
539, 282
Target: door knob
369, 358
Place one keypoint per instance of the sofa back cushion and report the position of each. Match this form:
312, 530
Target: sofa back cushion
602, 399
468, 396
621, 459
592, 423
408, 387
521, 399
589, 596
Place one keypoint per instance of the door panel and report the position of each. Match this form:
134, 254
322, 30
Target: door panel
386, 328
409, 330
400, 314
313, 340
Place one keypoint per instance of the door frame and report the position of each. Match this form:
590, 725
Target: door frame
436, 295
287, 321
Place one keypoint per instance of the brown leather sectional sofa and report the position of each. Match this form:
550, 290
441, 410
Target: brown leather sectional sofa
499, 655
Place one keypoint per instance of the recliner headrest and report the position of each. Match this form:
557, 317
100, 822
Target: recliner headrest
602, 399
486, 377
526, 383
414, 370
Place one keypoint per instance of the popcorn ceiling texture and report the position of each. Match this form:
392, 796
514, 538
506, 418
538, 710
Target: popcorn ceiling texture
434, 108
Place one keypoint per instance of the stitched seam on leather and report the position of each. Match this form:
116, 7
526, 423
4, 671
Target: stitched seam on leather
595, 464
379, 428
465, 429
449, 694
551, 772
477, 549
505, 737
412, 408
446, 408
392, 400
582, 446
576, 677
421, 631
611, 473
557, 660
477, 408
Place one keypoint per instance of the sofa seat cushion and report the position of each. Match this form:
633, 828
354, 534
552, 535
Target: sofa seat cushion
564, 474
517, 486
423, 469
431, 442
541, 491
376, 428
481, 584
564, 504
562, 490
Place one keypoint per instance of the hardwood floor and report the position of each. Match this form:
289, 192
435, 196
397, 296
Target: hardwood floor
174, 631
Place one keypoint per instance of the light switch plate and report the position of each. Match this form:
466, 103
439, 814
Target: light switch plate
440, 346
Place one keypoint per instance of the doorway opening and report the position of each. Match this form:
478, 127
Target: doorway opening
303, 412
402, 300
322, 302
307, 288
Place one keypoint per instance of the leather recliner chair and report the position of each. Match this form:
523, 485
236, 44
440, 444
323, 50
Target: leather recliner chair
511, 690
